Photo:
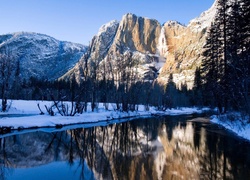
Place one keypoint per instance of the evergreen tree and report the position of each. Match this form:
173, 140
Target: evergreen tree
197, 89
243, 54
225, 65
171, 93
210, 67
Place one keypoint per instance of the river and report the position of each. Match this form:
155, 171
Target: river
170, 147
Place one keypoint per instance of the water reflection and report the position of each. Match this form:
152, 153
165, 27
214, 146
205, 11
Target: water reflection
163, 148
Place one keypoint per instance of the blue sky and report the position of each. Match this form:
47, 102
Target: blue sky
79, 20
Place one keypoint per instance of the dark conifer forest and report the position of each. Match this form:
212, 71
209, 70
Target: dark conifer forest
226, 64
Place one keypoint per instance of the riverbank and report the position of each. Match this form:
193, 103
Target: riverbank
25, 114
235, 123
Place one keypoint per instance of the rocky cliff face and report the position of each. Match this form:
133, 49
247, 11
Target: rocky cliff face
41, 56
103, 40
138, 37
183, 55
100, 47
184, 47
156, 50
137, 34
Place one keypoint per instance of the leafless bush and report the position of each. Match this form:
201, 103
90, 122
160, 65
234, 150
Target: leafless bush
64, 108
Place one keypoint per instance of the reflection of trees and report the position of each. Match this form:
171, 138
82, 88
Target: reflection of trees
223, 160
129, 143
109, 151
106, 148
214, 162
4, 162
193, 153
127, 151
142, 149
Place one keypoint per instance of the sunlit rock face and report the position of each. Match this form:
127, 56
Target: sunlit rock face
184, 52
137, 34
185, 47
134, 36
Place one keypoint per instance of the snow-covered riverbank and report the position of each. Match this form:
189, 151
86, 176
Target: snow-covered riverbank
238, 126
25, 114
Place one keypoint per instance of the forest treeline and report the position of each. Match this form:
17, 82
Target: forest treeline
226, 66
222, 81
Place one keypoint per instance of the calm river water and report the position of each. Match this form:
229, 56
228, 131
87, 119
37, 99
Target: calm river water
179, 147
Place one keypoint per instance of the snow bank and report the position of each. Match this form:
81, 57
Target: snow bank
25, 114
240, 127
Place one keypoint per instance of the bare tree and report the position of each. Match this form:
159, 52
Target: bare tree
7, 72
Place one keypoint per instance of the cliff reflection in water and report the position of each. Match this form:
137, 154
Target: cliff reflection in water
162, 148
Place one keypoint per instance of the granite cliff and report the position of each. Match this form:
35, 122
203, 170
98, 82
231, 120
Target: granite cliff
155, 50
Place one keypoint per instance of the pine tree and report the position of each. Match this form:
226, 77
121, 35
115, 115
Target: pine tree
243, 53
225, 65
171, 93
211, 66
197, 88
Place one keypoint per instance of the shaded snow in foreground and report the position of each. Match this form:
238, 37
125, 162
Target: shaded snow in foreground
30, 108
241, 128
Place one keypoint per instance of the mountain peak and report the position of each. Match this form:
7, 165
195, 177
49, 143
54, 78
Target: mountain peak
40, 55
173, 23
105, 27
31, 34
205, 19
127, 15
138, 33
134, 16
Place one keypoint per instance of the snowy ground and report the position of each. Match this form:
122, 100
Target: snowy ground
25, 114
237, 125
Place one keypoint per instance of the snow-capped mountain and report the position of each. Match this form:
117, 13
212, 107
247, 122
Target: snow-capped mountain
205, 19
156, 49
100, 47
41, 56
116, 39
